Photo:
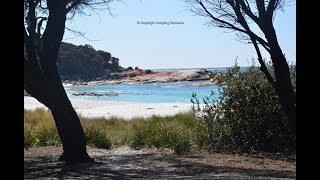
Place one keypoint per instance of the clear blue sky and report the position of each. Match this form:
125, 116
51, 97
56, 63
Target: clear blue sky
190, 45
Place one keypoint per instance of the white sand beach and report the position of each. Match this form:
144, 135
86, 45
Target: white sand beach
123, 110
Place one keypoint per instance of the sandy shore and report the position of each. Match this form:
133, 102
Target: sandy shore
123, 110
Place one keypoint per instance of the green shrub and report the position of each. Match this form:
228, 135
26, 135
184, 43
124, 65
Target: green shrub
97, 137
46, 137
40, 136
178, 140
200, 135
28, 138
179, 132
247, 116
167, 132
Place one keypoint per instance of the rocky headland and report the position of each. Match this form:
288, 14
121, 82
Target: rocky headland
82, 65
198, 76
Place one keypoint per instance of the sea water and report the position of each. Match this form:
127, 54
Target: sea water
174, 92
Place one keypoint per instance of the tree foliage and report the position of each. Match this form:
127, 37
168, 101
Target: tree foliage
84, 62
252, 21
247, 116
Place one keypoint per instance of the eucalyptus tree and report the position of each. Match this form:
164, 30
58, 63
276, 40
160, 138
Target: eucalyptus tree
44, 27
253, 22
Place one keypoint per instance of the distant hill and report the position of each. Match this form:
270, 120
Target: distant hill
85, 63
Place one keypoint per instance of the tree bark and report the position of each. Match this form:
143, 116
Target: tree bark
68, 126
51, 93
284, 86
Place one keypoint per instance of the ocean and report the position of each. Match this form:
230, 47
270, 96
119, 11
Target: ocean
176, 92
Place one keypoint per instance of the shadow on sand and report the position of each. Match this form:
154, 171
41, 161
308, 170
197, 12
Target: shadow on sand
148, 165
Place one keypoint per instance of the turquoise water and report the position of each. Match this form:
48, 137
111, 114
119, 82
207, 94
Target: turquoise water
180, 92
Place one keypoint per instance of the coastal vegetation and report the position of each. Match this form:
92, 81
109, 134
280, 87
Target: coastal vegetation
85, 63
171, 131
253, 22
248, 115
255, 112
246, 118
81, 64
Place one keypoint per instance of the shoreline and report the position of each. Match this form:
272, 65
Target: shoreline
124, 110
130, 110
141, 77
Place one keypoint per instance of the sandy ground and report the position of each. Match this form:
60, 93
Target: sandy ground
123, 110
126, 163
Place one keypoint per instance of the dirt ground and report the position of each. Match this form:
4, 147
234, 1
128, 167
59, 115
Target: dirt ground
127, 163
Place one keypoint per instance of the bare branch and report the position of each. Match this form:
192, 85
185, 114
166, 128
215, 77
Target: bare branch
241, 19
73, 5
223, 23
79, 34
246, 8
228, 15
263, 66
261, 8
272, 5
78, 6
40, 24
235, 15
31, 18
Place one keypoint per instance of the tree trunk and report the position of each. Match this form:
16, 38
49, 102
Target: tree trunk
51, 93
69, 128
284, 86
42, 81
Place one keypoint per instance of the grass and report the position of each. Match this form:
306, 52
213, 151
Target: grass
180, 132
174, 132
177, 132
39, 129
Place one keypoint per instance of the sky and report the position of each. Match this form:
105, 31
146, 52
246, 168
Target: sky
189, 45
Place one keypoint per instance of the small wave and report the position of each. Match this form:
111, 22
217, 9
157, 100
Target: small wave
118, 91
85, 93
142, 93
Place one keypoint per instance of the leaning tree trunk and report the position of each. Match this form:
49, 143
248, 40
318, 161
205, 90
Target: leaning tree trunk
68, 123
42, 81
284, 86
51, 93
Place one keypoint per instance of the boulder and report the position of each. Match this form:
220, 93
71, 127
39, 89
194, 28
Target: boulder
148, 71
129, 68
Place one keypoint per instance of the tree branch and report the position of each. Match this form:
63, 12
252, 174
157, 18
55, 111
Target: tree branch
231, 26
261, 8
272, 6
236, 7
40, 24
73, 5
247, 10
31, 19
228, 25
263, 66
